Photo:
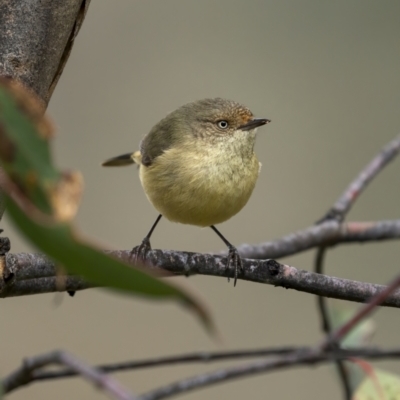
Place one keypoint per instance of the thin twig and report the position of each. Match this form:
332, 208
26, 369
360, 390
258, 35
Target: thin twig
322, 306
353, 191
338, 334
326, 324
311, 356
209, 357
24, 375
203, 357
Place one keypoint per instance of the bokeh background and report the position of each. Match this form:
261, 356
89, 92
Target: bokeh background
326, 73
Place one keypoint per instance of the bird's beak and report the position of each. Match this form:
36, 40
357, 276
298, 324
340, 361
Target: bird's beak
254, 123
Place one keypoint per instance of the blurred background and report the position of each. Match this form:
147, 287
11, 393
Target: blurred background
325, 73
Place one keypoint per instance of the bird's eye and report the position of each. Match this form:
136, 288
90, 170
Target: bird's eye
222, 124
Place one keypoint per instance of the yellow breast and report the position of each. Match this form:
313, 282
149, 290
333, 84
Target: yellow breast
200, 186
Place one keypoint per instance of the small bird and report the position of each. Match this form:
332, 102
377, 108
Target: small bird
197, 166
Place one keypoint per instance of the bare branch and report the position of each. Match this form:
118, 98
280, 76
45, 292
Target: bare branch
353, 191
203, 357
24, 375
211, 357
309, 356
34, 273
284, 357
329, 233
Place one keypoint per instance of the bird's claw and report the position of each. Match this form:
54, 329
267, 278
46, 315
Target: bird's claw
234, 261
139, 253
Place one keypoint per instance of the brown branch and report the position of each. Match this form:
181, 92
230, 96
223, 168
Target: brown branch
23, 375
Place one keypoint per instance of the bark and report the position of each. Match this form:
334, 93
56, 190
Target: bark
36, 38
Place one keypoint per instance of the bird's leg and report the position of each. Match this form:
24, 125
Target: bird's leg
140, 252
234, 258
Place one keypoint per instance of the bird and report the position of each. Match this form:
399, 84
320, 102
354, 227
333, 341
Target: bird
197, 166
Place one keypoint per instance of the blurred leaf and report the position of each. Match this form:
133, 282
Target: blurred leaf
42, 201
2, 201
24, 151
358, 337
381, 386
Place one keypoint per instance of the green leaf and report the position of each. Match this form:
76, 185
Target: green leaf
24, 151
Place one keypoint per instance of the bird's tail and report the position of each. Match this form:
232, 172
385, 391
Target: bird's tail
124, 159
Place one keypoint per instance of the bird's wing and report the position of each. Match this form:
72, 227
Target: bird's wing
162, 137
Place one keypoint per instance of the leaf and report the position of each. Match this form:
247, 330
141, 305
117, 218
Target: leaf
359, 336
24, 151
381, 386
42, 201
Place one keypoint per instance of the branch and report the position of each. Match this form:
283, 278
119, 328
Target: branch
309, 356
353, 191
24, 375
35, 273
329, 233
203, 357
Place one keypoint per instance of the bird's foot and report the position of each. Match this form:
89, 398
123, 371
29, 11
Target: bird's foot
139, 253
234, 261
